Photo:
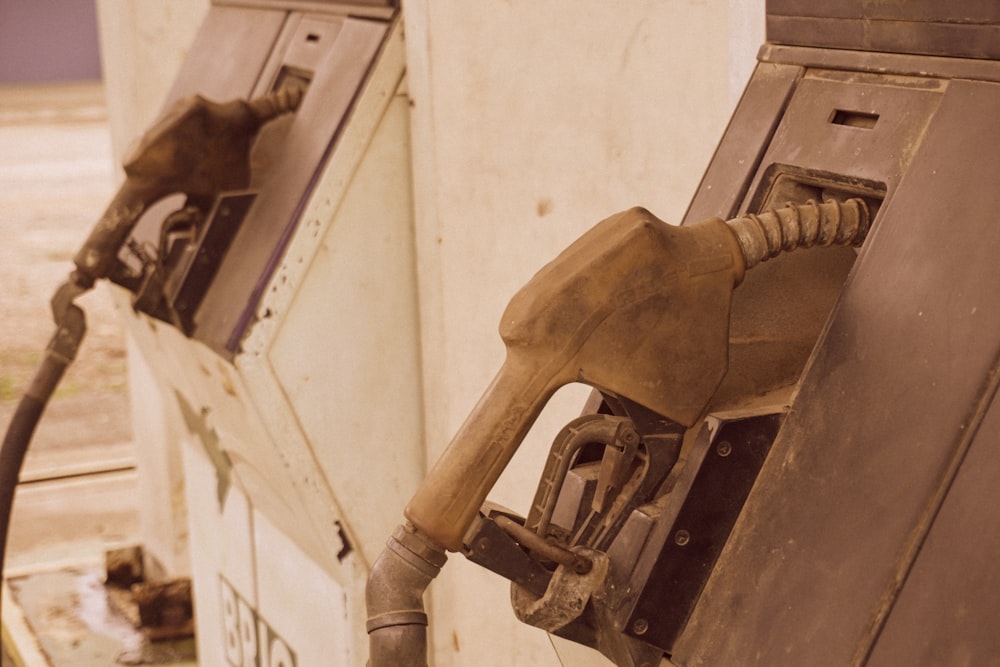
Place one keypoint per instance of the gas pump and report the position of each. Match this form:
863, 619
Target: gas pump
794, 472
198, 150
254, 347
272, 197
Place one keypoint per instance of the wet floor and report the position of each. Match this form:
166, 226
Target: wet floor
75, 621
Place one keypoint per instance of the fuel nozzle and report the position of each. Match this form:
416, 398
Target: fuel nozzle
198, 148
635, 307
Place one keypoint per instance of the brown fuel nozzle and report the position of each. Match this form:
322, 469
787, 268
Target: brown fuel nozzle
198, 148
636, 307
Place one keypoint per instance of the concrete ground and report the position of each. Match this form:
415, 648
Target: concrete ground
78, 486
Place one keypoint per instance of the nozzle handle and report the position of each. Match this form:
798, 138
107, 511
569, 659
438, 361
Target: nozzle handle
97, 256
448, 500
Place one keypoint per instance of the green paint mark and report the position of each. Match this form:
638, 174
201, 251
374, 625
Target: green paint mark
197, 424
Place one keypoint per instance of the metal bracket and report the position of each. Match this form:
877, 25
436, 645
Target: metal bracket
685, 540
489, 546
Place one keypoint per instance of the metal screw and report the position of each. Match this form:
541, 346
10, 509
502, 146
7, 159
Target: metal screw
682, 537
724, 448
640, 626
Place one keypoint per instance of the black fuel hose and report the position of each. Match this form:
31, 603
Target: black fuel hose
70, 328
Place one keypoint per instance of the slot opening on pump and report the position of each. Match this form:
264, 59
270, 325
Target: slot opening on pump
774, 330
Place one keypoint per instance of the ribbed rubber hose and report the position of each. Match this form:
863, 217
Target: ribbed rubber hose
768, 234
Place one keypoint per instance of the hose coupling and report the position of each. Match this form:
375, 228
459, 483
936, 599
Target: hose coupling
397, 622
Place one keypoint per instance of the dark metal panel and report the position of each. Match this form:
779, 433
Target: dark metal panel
809, 138
682, 549
735, 161
961, 40
882, 63
969, 28
954, 11
947, 612
225, 217
881, 411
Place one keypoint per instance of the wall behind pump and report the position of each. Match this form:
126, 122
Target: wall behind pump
532, 121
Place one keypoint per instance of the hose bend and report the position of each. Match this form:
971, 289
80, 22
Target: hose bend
767, 235
71, 325
397, 622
